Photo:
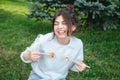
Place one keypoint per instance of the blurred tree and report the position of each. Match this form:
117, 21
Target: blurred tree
103, 14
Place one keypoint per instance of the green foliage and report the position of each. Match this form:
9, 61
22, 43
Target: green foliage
95, 13
45, 9
99, 13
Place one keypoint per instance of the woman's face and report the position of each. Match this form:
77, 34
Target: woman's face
60, 28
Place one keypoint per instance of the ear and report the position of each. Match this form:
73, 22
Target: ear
73, 28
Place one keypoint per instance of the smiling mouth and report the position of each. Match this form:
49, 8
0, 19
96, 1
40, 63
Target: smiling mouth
61, 32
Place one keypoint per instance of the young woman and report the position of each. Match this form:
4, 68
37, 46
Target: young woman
52, 55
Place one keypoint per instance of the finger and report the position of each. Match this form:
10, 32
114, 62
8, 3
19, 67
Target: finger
86, 66
36, 52
81, 64
35, 57
79, 68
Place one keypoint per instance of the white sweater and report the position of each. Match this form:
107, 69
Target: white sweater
55, 68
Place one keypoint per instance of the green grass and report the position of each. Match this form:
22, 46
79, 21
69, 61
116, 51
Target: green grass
102, 54
101, 48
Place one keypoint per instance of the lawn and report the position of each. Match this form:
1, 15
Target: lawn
101, 48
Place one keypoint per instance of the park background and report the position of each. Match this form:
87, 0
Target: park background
17, 31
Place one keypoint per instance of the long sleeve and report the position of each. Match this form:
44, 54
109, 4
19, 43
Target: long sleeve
79, 57
21, 56
34, 46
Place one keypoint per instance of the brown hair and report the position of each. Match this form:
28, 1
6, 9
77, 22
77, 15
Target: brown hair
68, 16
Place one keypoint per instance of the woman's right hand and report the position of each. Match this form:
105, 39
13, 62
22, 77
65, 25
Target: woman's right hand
32, 55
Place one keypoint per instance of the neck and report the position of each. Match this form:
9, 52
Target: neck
64, 41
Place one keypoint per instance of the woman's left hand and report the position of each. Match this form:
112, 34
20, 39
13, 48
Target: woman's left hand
80, 66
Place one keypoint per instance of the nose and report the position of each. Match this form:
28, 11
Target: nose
60, 26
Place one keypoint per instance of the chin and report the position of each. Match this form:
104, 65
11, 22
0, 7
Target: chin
62, 37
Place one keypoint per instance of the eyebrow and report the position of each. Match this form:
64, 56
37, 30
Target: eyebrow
58, 21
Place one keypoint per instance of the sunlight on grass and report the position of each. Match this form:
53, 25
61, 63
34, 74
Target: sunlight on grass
15, 8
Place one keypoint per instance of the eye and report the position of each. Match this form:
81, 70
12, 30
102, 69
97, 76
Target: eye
56, 23
64, 23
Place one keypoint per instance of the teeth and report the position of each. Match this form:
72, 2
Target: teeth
61, 31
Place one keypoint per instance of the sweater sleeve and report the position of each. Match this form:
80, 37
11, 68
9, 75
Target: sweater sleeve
34, 46
79, 57
21, 56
